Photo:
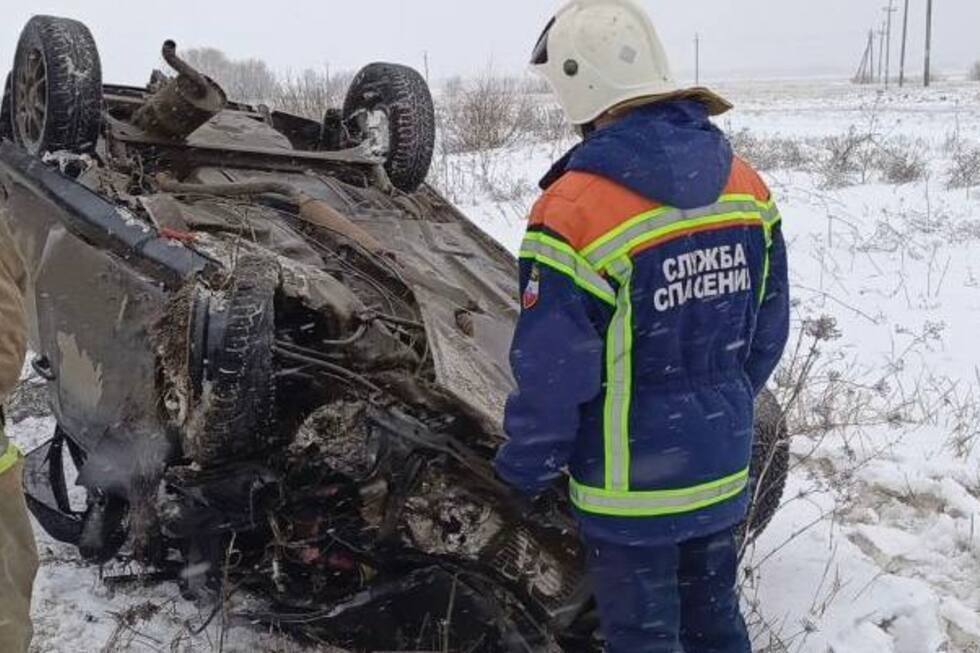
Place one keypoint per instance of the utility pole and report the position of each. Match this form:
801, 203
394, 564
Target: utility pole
861, 76
905, 38
926, 78
871, 50
697, 59
881, 52
889, 10
425, 58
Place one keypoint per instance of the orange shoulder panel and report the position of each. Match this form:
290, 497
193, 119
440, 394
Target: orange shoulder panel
582, 207
745, 180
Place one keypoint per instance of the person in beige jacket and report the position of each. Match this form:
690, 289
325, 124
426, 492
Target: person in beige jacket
18, 554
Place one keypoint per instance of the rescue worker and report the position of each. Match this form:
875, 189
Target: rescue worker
655, 308
18, 556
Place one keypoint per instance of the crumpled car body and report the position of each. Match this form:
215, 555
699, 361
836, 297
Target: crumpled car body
255, 341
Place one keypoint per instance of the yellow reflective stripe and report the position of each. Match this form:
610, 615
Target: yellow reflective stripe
609, 236
765, 266
659, 229
561, 257
723, 205
619, 381
9, 458
665, 215
657, 502
772, 218
765, 280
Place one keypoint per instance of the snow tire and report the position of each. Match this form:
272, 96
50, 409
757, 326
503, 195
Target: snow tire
240, 402
770, 462
405, 97
56, 89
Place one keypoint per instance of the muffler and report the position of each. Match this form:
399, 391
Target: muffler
182, 103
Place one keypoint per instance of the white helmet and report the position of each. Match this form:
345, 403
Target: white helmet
602, 55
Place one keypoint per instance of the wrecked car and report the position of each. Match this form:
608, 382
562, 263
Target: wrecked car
266, 334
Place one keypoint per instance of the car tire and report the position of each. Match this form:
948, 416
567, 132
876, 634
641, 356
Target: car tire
239, 405
56, 90
770, 462
404, 96
6, 122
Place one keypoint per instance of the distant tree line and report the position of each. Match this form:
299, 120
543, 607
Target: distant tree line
309, 93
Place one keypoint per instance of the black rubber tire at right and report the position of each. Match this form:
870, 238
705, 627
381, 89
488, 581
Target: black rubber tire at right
770, 462
74, 84
404, 95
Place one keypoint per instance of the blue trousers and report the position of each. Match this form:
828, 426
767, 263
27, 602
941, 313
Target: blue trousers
669, 598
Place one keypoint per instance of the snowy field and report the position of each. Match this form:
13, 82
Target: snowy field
876, 549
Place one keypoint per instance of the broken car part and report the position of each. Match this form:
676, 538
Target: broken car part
182, 104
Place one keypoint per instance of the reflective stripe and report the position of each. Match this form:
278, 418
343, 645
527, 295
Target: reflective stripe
772, 218
562, 257
665, 221
725, 204
658, 502
619, 381
11, 454
765, 266
771, 215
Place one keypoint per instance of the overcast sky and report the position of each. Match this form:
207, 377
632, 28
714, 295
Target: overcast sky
754, 38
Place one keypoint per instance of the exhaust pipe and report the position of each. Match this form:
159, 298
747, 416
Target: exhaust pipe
182, 104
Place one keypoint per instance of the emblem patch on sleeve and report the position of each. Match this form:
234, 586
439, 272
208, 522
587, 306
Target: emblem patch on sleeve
532, 293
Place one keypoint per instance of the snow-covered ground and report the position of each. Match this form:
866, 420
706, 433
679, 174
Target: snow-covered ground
876, 549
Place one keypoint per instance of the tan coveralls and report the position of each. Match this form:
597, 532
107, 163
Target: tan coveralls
18, 555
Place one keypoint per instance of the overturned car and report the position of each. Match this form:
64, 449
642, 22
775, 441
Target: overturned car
267, 332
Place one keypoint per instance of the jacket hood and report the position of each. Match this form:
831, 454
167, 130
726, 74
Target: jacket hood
668, 152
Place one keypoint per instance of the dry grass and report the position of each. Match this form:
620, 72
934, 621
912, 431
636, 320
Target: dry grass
770, 153
964, 170
311, 92
846, 159
903, 161
488, 112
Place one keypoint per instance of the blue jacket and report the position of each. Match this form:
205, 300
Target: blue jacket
656, 306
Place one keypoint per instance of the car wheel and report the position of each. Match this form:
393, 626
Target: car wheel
770, 462
56, 90
390, 107
6, 124
239, 401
